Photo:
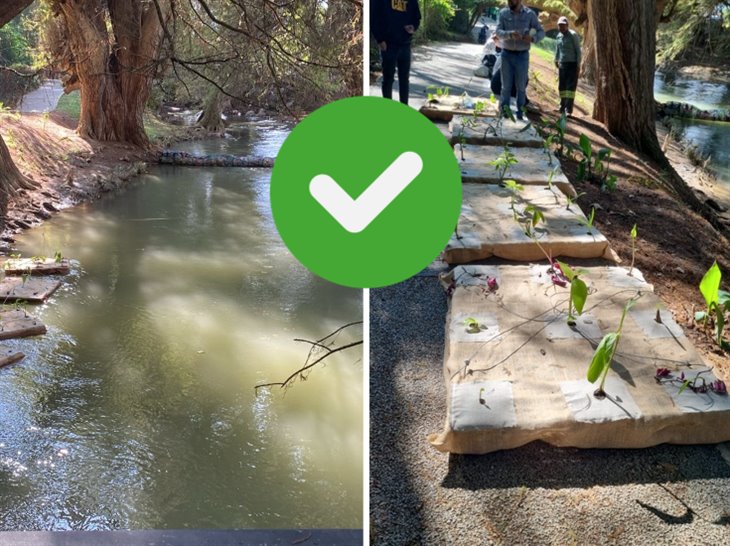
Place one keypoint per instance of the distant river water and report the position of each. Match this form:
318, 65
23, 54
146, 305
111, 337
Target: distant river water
137, 409
712, 138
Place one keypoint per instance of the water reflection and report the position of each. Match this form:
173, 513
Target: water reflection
137, 409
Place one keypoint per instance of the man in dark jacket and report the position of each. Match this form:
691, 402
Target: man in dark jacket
393, 23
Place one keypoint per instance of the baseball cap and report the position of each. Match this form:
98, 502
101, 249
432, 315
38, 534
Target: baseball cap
563, 21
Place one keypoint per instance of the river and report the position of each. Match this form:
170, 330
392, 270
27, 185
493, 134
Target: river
137, 409
711, 138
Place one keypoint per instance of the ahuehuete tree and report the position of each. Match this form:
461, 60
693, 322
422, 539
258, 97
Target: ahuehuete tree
622, 56
625, 62
110, 50
11, 178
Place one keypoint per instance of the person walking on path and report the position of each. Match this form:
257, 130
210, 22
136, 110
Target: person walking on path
393, 23
517, 29
567, 61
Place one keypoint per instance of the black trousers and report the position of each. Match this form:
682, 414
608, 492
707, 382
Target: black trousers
567, 84
396, 56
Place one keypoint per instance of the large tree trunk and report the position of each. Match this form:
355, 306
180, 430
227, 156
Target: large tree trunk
625, 49
114, 46
625, 45
211, 118
10, 177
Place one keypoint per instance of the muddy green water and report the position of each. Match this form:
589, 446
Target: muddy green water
137, 409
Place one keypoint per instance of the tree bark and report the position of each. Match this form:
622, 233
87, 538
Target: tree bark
9, 9
625, 50
10, 177
625, 45
114, 46
211, 118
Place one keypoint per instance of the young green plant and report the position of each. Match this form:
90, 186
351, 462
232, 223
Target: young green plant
634, 234
602, 358
718, 302
578, 291
503, 162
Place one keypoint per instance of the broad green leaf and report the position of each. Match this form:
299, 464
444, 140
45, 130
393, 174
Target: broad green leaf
567, 271
585, 146
634, 233
579, 293
602, 356
710, 284
581, 173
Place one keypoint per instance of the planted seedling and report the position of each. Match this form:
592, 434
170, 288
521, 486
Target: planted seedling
514, 189
588, 222
503, 162
578, 291
718, 302
602, 358
473, 326
572, 200
584, 167
634, 234
441, 93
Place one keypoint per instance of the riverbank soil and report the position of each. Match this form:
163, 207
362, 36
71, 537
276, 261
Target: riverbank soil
66, 168
675, 246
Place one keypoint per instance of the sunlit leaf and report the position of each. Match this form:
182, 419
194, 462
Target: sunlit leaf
710, 284
579, 293
585, 146
602, 356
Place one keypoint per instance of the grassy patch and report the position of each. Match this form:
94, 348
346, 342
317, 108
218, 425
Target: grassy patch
157, 130
70, 104
160, 132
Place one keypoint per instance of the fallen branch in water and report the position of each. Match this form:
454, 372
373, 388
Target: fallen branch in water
314, 350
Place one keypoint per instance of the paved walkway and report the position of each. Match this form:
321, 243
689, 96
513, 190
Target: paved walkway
43, 99
443, 64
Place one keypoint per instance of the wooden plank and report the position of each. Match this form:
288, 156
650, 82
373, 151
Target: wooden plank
9, 356
16, 323
32, 290
447, 107
532, 168
35, 266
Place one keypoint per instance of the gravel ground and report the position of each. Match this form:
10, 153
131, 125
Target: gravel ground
533, 495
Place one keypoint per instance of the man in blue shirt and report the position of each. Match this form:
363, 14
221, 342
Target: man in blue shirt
393, 23
567, 60
517, 29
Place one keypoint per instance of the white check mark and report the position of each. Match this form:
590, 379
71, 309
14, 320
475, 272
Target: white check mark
356, 214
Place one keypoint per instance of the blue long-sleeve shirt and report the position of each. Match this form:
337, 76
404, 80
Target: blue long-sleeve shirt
521, 21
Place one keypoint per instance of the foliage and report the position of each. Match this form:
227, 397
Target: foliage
693, 29
634, 235
718, 303
503, 162
436, 15
594, 167
603, 356
578, 291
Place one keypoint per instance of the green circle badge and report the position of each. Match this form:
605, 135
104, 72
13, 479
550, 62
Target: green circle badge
365, 192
